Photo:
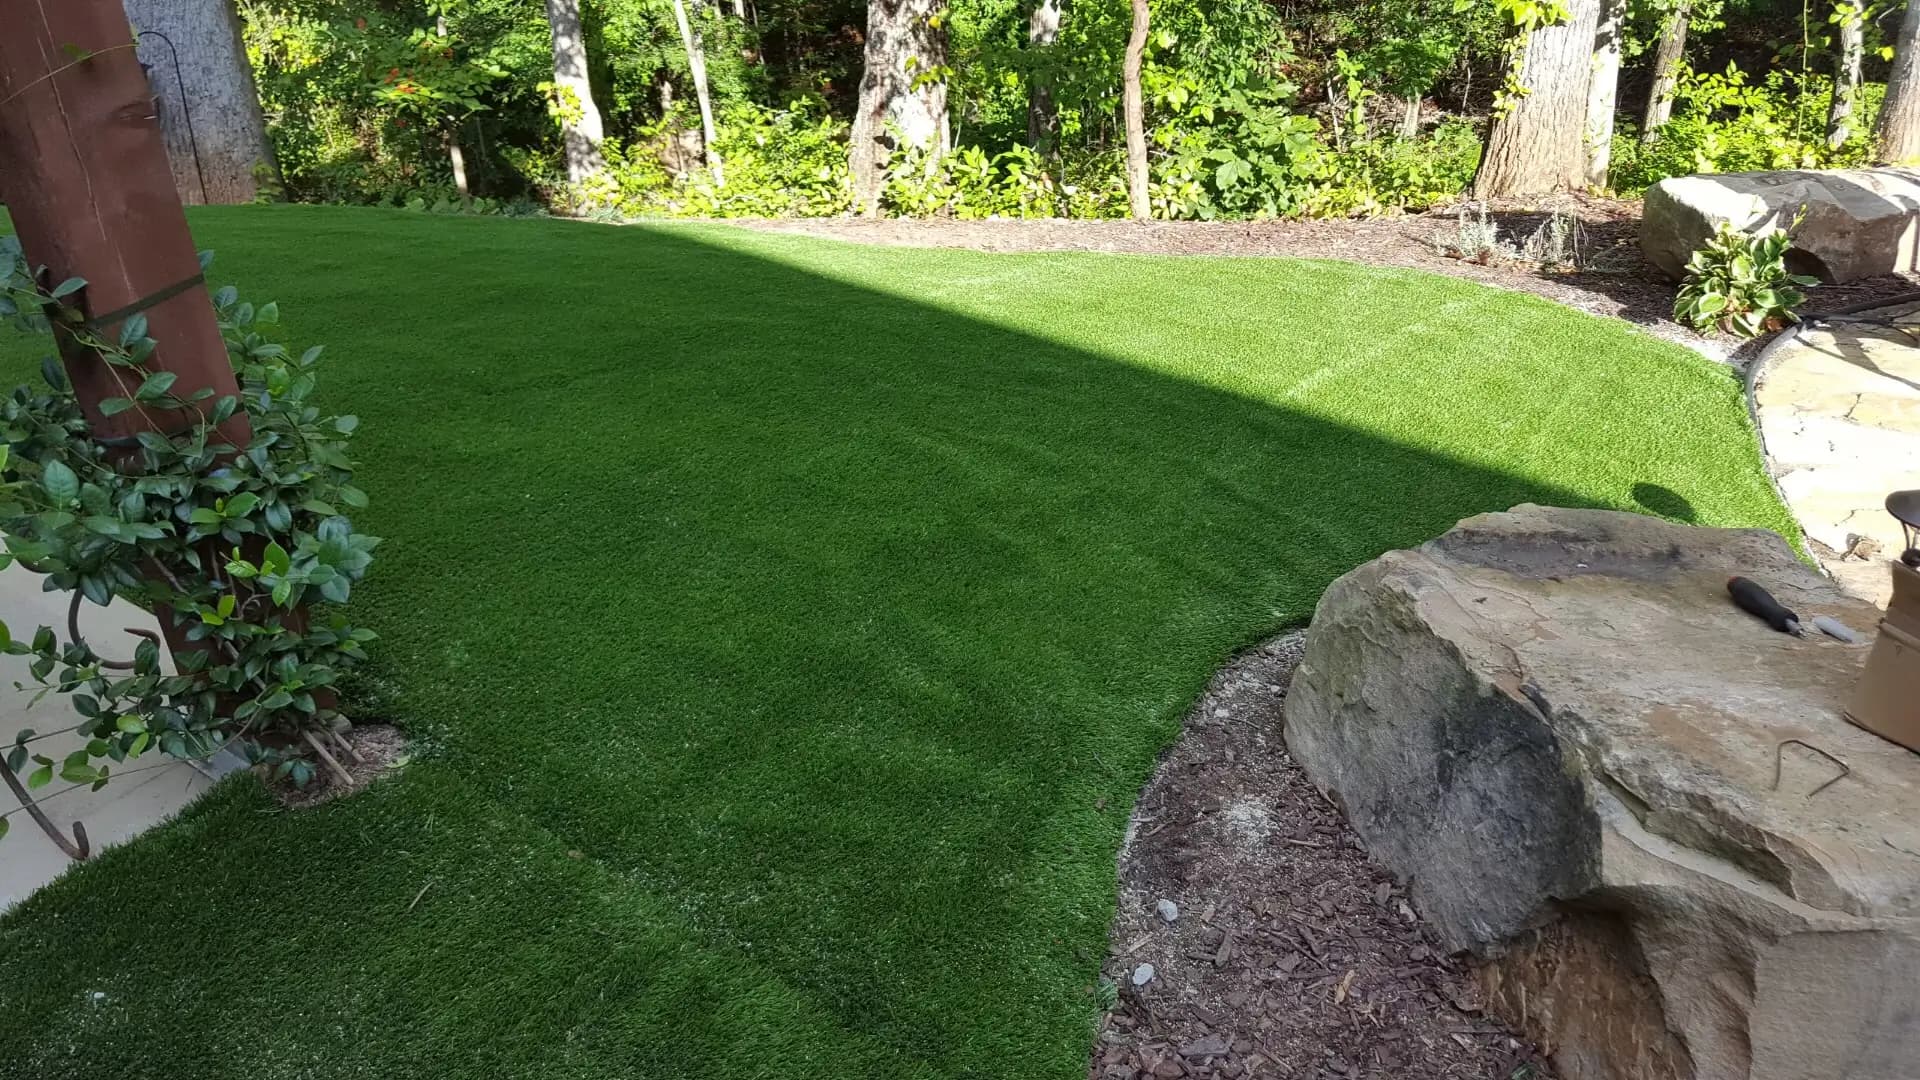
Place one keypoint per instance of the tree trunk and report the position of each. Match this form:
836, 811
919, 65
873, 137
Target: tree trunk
203, 90
1898, 134
697, 67
1043, 115
903, 96
1410, 119
1846, 71
1666, 72
580, 129
1538, 145
1603, 91
1136, 115
458, 160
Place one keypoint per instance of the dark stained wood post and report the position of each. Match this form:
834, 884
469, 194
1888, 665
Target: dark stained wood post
83, 170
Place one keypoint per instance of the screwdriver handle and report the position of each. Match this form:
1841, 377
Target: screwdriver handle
1755, 600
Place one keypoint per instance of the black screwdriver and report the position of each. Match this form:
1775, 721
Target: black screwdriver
1755, 600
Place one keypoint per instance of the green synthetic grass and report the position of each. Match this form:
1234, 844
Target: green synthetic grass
792, 625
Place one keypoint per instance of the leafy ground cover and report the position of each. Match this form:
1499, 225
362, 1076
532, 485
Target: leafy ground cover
788, 627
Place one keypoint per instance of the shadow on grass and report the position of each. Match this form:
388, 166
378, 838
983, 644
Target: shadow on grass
793, 651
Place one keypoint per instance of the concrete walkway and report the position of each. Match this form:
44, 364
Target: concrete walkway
1838, 404
115, 813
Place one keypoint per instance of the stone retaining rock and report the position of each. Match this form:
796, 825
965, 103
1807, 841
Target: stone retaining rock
1556, 727
1859, 222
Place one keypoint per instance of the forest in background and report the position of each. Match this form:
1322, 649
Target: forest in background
981, 108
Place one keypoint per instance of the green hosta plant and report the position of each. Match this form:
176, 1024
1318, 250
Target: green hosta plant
230, 541
1739, 282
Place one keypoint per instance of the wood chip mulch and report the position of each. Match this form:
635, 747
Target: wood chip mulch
1292, 956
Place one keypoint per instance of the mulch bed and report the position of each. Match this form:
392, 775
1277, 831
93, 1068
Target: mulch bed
1292, 955
378, 749
1614, 280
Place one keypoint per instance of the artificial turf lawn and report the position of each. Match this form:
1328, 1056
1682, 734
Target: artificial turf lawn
791, 625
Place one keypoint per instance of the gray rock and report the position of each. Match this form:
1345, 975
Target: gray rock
1143, 975
1858, 223
1558, 729
1167, 910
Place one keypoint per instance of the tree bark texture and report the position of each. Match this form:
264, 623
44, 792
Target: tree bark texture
1043, 114
1666, 72
903, 101
83, 171
1138, 199
203, 90
697, 67
1410, 119
1852, 44
1898, 133
580, 128
1603, 91
1538, 146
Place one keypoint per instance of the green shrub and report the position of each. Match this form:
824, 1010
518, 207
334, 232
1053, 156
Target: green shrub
1739, 283
231, 542
1724, 123
1378, 174
789, 162
1017, 183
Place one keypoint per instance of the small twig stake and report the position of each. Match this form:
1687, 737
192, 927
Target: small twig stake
339, 771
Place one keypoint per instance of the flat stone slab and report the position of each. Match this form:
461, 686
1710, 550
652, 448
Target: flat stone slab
1838, 404
123, 809
1625, 794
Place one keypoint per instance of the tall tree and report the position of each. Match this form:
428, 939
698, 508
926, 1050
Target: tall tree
450, 136
1043, 113
697, 67
1666, 70
1851, 15
903, 92
1897, 137
1138, 200
209, 110
1536, 143
1603, 90
580, 128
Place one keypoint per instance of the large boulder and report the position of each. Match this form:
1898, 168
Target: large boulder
1556, 727
1858, 223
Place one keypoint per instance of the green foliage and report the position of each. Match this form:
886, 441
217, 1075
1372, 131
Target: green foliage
1739, 283
1018, 183
1376, 174
1723, 122
1255, 109
779, 163
228, 539
1241, 152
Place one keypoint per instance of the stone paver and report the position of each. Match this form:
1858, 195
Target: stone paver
1839, 411
125, 807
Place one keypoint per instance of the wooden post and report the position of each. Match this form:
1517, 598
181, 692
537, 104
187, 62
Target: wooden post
84, 174
83, 170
